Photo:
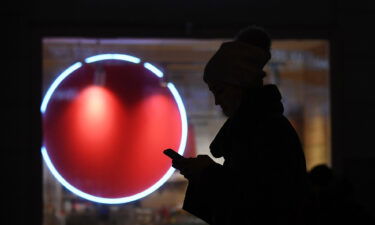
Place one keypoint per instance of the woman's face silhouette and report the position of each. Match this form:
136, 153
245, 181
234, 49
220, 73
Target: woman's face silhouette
227, 96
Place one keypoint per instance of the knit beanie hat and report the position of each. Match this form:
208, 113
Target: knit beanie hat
237, 63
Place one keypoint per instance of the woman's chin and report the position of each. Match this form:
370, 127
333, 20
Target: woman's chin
226, 112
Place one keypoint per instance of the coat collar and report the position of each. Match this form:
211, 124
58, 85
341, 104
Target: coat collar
257, 104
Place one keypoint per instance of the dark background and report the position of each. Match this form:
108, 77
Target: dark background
348, 25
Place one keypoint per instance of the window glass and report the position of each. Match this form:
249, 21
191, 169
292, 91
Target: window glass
300, 68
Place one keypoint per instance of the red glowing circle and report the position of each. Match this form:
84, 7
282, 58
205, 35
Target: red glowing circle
106, 127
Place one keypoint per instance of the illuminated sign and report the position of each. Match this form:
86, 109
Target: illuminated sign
106, 122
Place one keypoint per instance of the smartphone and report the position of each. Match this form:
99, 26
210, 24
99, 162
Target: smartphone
173, 154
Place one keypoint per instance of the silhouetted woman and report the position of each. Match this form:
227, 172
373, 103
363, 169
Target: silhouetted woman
263, 179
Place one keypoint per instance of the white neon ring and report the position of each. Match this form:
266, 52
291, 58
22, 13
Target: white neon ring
153, 69
122, 57
181, 149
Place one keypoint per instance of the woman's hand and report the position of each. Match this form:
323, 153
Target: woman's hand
190, 167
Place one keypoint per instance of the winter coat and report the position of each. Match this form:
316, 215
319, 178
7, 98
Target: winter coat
263, 179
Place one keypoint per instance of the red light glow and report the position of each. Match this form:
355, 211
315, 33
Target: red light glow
108, 140
96, 114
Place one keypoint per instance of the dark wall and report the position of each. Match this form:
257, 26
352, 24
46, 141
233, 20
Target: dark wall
347, 24
353, 98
